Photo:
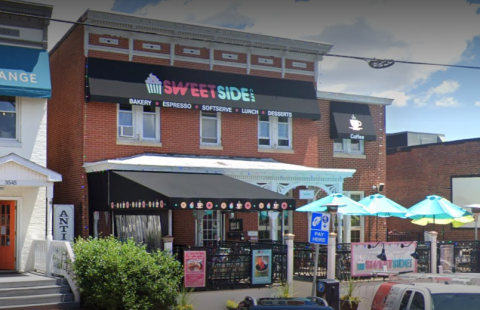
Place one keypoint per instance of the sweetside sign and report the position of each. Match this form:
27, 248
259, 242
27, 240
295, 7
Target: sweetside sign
192, 89
365, 261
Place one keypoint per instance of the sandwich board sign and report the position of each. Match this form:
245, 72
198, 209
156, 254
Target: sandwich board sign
319, 228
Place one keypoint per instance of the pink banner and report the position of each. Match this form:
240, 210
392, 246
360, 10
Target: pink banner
194, 263
364, 261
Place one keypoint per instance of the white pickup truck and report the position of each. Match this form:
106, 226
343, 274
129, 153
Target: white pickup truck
426, 296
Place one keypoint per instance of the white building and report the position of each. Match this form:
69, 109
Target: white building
26, 186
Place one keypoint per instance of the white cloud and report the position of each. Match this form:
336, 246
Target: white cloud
448, 102
400, 99
436, 31
477, 103
446, 87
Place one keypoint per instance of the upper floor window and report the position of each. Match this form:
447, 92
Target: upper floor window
349, 146
210, 128
138, 123
274, 132
8, 118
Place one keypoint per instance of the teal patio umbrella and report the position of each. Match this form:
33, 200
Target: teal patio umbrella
433, 208
381, 206
346, 206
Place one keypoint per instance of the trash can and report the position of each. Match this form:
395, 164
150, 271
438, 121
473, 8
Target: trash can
329, 289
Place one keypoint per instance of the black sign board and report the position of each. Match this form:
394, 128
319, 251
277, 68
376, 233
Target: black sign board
351, 121
182, 88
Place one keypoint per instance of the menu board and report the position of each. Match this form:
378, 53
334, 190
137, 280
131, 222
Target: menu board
194, 268
446, 257
262, 266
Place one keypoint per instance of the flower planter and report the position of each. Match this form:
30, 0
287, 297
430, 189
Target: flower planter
346, 306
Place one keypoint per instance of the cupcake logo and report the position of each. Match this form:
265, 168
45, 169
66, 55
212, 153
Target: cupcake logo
154, 85
360, 264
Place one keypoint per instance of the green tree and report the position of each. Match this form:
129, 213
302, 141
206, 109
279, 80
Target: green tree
117, 275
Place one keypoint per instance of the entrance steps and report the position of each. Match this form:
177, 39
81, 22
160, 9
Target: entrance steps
34, 291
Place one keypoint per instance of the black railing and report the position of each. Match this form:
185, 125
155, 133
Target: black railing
459, 256
343, 261
423, 262
304, 261
229, 264
394, 235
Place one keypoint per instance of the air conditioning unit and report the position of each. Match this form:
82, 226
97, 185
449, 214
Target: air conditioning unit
126, 131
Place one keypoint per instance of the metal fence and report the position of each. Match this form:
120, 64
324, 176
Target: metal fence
229, 264
423, 262
394, 235
459, 256
304, 261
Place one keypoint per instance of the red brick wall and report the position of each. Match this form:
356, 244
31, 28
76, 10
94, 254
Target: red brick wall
66, 127
88, 132
418, 171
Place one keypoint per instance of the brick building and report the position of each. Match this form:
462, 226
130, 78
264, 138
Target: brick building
148, 118
448, 169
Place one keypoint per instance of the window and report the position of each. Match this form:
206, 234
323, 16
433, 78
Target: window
274, 132
8, 118
138, 123
349, 146
210, 128
405, 300
269, 221
357, 223
418, 302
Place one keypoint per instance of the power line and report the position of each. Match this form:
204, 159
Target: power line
372, 62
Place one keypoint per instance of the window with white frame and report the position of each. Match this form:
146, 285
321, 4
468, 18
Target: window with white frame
8, 118
210, 128
270, 224
274, 132
349, 146
138, 123
357, 224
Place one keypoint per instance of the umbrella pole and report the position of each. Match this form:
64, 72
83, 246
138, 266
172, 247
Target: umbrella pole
376, 231
476, 226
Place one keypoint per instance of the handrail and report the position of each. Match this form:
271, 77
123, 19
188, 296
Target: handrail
62, 262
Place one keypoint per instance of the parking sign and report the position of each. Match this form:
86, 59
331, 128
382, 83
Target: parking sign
319, 228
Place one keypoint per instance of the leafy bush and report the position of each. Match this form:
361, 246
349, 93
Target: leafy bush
116, 275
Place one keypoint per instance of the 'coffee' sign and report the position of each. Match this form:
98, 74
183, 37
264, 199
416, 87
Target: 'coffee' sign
63, 216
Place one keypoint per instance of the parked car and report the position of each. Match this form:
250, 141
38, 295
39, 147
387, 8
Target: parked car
250, 303
426, 296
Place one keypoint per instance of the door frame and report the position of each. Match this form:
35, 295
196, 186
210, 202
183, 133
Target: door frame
18, 228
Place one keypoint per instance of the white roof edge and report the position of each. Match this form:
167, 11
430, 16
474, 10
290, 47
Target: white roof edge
50, 174
353, 98
209, 30
119, 164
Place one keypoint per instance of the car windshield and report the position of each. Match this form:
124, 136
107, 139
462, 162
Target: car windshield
457, 301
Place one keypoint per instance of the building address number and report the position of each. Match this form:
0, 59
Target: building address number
10, 182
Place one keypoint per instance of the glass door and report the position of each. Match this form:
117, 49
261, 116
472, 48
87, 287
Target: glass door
209, 223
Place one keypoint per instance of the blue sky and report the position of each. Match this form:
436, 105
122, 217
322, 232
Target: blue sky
431, 99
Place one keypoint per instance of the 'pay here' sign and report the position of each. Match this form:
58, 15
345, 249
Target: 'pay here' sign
319, 228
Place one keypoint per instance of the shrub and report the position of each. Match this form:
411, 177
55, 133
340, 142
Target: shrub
122, 275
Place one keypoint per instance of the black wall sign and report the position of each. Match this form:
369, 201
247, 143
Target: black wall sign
173, 87
351, 121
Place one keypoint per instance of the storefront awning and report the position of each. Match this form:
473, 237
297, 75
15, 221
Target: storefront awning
182, 88
180, 191
351, 121
24, 72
